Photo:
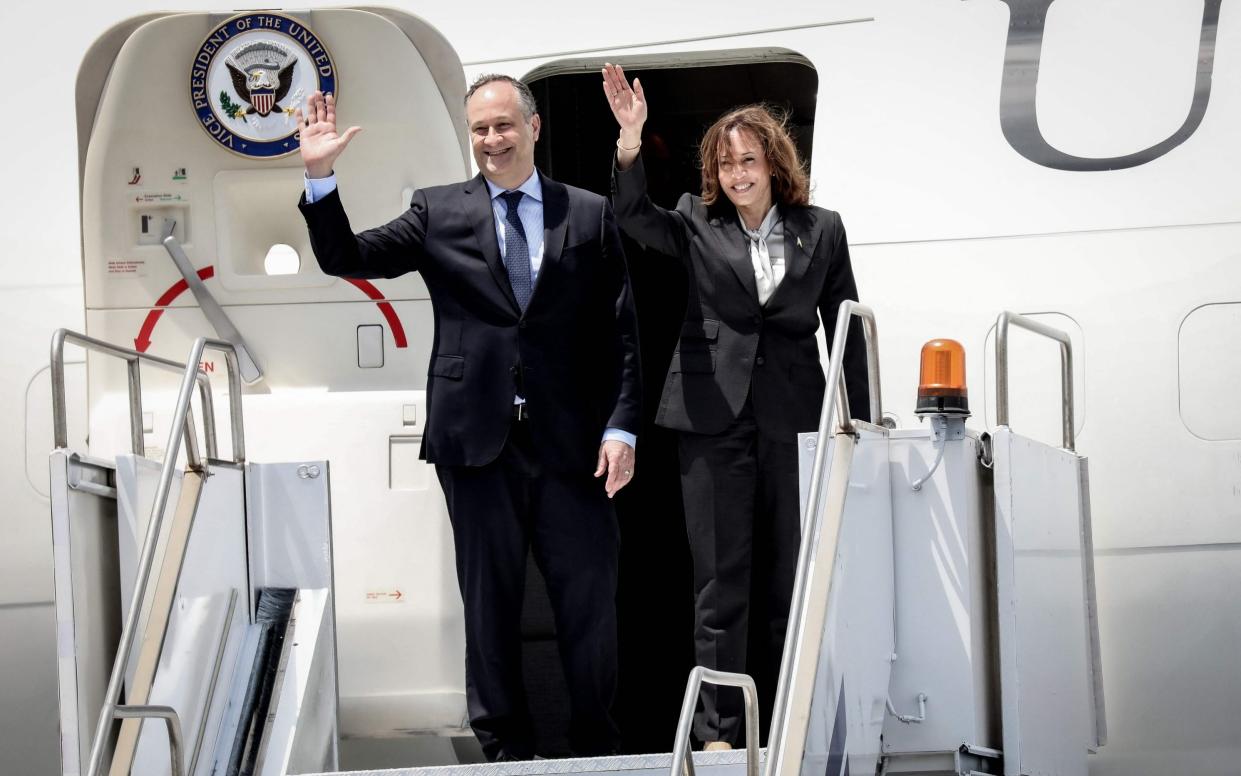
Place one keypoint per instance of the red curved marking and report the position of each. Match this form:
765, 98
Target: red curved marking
385, 307
143, 340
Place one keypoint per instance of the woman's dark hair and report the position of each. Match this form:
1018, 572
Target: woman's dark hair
790, 185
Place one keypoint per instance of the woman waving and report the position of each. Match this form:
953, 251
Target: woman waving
763, 266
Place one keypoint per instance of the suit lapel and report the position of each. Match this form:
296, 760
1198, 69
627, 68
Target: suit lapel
555, 228
736, 252
482, 219
801, 236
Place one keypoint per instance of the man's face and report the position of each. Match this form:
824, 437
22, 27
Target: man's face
503, 140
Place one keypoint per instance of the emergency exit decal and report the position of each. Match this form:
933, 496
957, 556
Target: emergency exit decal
250, 74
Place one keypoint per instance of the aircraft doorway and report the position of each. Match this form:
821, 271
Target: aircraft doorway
686, 94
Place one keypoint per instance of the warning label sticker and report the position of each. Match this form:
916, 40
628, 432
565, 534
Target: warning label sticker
136, 268
391, 595
160, 198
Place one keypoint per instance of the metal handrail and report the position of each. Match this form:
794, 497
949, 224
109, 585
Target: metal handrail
835, 402
835, 377
1066, 370
155, 525
844, 315
682, 757
134, 359
871, 336
176, 744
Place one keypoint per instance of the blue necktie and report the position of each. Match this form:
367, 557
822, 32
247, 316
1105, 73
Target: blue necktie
516, 251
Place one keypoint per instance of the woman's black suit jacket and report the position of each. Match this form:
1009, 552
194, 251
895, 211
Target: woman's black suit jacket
730, 346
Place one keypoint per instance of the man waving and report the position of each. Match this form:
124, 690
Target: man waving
532, 395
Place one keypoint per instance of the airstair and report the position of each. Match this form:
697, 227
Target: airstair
943, 621
201, 596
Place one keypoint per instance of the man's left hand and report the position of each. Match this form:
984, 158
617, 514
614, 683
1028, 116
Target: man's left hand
615, 460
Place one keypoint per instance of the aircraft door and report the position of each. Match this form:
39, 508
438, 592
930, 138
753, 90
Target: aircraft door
188, 131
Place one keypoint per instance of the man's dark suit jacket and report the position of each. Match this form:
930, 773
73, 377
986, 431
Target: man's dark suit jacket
572, 354
732, 347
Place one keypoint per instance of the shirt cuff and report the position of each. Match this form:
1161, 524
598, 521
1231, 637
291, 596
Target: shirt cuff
621, 435
318, 188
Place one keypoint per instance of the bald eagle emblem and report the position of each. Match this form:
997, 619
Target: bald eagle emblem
249, 74
262, 72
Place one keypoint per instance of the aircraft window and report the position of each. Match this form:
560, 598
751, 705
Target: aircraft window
282, 260
1210, 371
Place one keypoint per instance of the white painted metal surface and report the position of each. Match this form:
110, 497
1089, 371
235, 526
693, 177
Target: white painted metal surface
851, 684
730, 763
945, 598
301, 733
1044, 640
288, 507
943, 643
87, 602
137, 479
209, 614
256, 527
820, 584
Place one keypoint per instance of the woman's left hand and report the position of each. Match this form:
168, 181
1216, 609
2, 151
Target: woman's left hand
628, 104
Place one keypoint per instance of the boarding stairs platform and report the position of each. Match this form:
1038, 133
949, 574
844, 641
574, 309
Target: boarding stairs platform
943, 621
193, 605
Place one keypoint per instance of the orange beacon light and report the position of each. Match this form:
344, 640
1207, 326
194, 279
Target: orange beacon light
941, 379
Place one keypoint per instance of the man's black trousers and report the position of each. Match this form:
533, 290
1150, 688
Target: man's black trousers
499, 512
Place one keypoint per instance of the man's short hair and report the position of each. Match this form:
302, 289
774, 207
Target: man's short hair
524, 95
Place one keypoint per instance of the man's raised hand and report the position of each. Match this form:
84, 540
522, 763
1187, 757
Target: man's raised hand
320, 143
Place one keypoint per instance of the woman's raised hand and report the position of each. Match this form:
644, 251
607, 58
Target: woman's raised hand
628, 104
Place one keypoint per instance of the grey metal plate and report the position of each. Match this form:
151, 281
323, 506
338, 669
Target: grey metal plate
87, 608
854, 667
1044, 643
707, 763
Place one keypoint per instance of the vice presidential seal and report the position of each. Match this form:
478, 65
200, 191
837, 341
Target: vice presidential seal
249, 75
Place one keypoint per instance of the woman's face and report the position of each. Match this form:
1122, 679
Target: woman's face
745, 176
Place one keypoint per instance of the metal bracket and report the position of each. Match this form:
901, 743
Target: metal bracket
986, 452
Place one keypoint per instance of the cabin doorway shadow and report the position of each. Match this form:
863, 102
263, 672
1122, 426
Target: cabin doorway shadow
655, 602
